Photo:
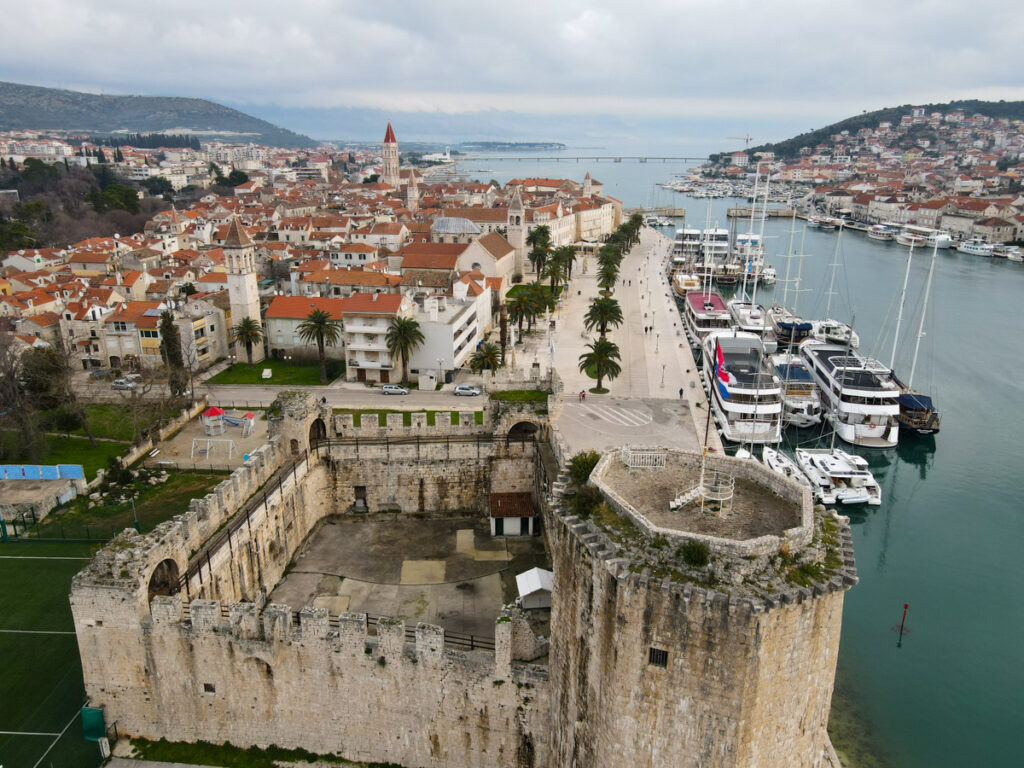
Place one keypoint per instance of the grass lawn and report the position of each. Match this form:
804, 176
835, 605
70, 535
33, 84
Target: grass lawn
521, 396
155, 504
74, 450
382, 418
285, 373
114, 421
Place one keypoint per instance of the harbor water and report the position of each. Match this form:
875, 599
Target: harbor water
946, 540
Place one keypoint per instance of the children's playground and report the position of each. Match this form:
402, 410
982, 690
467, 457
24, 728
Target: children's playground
218, 437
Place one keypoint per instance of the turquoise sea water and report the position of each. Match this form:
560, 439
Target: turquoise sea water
947, 538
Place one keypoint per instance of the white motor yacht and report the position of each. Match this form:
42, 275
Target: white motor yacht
834, 332
744, 394
976, 247
860, 396
752, 318
704, 312
801, 404
881, 232
839, 477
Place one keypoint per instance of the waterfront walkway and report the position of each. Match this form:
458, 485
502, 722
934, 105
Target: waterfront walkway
657, 364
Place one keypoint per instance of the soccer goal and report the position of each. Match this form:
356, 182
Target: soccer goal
204, 447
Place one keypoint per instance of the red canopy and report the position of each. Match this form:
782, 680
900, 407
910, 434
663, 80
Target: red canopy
213, 410
249, 416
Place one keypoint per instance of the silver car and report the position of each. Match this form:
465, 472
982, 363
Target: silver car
466, 390
393, 389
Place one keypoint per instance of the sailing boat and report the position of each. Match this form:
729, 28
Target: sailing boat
918, 415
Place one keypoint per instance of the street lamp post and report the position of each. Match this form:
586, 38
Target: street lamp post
663, 375
440, 370
657, 344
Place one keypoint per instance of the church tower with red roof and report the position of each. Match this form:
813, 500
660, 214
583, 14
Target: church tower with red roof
389, 174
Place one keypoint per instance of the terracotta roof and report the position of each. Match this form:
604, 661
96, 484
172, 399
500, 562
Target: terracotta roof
496, 245
389, 135
373, 303
299, 307
511, 505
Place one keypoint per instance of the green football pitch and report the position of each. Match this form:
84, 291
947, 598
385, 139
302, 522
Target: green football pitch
41, 689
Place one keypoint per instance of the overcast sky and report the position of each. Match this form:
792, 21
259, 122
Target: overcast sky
584, 72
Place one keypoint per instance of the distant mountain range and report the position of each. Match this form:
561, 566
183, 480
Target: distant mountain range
28, 107
1012, 110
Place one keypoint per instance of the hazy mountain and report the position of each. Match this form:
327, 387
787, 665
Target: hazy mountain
32, 108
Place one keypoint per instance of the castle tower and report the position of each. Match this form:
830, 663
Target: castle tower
240, 264
516, 226
412, 193
389, 173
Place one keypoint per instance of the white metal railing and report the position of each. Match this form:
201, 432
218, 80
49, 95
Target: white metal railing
641, 458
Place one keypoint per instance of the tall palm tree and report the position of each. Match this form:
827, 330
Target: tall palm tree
554, 271
636, 223
567, 255
518, 309
604, 311
539, 240
322, 329
602, 360
485, 357
403, 338
538, 299
248, 332
607, 276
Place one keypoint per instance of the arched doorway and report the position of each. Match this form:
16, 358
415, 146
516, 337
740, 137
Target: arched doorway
165, 580
523, 430
317, 432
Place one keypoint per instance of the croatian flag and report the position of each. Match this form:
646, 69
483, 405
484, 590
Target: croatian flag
721, 375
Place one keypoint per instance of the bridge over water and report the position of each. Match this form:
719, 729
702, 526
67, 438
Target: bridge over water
579, 158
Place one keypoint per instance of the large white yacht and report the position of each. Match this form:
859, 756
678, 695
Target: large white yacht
704, 312
838, 476
801, 404
859, 395
881, 232
743, 392
976, 247
834, 332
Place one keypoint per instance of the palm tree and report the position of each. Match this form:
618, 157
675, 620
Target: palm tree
485, 357
322, 329
539, 240
607, 276
554, 271
636, 223
403, 338
538, 299
602, 361
567, 255
518, 309
248, 332
604, 311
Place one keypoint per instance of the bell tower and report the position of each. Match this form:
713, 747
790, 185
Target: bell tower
389, 173
240, 265
516, 227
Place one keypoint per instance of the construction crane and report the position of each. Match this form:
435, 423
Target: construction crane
746, 139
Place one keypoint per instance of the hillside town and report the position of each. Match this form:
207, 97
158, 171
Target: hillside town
351, 233
956, 172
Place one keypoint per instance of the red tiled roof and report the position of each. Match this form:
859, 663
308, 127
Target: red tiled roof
511, 505
299, 307
373, 303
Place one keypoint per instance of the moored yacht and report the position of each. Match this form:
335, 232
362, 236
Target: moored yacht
704, 312
767, 276
684, 282
781, 464
918, 414
881, 232
801, 404
859, 395
789, 328
752, 318
743, 393
975, 247
834, 332
838, 476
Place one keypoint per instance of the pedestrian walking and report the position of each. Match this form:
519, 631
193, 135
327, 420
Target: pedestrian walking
680, 393
582, 395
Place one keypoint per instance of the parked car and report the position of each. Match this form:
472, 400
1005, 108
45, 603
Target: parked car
122, 384
466, 390
393, 389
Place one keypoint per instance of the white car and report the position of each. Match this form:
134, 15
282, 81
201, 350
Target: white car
466, 390
393, 389
122, 384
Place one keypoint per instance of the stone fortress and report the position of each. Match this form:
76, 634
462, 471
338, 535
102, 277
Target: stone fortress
701, 636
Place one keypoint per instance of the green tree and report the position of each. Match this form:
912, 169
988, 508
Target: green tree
247, 333
581, 465
170, 342
403, 338
518, 310
602, 361
323, 330
237, 177
607, 276
604, 311
539, 240
486, 357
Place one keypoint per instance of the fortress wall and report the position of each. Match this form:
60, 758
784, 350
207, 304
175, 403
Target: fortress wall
430, 477
326, 686
746, 682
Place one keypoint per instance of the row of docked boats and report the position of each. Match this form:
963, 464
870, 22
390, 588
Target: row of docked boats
765, 369
923, 237
710, 254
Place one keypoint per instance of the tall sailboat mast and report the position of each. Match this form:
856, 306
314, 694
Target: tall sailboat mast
899, 314
924, 309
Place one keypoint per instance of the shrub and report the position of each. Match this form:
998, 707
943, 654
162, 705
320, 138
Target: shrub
696, 553
581, 465
117, 473
585, 502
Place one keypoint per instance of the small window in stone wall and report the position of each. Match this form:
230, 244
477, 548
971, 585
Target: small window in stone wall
657, 657
209, 688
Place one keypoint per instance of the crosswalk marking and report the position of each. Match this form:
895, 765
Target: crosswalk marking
615, 415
